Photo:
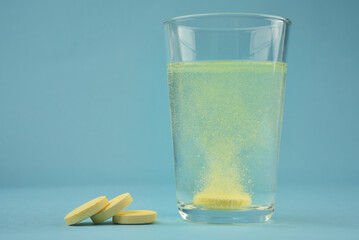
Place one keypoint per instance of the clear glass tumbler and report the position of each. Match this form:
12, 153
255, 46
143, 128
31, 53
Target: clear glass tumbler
226, 77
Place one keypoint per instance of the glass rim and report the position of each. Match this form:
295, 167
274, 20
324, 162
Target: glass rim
254, 15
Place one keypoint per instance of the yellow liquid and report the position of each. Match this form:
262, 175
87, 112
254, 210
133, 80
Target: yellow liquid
226, 121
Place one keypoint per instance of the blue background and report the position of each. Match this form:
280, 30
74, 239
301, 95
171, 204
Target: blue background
84, 103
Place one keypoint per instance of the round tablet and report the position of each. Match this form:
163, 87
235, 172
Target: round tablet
86, 210
135, 217
223, 201
117, 204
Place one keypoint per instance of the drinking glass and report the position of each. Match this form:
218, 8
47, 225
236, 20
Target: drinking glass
226, 78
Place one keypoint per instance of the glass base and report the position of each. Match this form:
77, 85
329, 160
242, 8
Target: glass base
250, 215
